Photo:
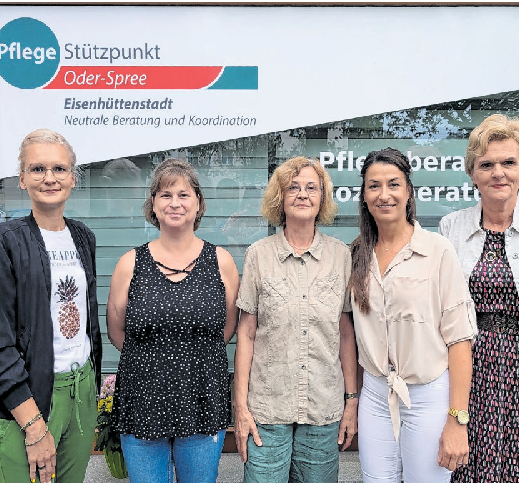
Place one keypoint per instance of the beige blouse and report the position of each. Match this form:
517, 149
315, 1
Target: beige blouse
419, 307
296, 373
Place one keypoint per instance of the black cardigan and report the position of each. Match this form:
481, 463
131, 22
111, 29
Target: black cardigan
26, 333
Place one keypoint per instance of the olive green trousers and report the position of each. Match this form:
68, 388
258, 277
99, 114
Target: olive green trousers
72, 423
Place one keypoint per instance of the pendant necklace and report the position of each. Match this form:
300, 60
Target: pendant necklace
176, 271
387, 248
492, 254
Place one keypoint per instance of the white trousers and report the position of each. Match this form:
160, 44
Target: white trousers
415, 454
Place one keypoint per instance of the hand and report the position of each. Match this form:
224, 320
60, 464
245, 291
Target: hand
454, 445
348, 426
42, 454
243, 426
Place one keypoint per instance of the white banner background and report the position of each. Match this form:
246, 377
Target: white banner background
316, 65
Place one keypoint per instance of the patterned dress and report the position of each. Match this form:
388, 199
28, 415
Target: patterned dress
494, 397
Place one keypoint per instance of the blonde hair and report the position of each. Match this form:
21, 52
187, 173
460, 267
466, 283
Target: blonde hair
493, 128
272, 206
45, 136
165, 174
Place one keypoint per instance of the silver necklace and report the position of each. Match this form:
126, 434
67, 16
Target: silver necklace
394, 243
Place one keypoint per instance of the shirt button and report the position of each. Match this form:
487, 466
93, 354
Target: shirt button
303, 367
302, 262
304, 297
304, 332
515, 255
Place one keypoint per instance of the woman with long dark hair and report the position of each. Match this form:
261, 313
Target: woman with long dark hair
414, 321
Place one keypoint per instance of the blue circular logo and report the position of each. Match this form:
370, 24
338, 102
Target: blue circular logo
29, 53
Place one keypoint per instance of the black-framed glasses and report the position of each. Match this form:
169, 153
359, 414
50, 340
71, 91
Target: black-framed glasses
311, 189
38, 171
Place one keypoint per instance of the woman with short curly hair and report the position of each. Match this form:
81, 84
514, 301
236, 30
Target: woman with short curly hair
295, 355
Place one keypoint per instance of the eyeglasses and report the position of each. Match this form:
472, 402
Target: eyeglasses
38, 171
294, 189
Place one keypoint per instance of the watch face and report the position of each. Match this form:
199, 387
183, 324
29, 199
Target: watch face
463, 417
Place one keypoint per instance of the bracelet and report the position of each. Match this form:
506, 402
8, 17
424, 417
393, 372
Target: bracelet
31, 421
39, 439
351, 395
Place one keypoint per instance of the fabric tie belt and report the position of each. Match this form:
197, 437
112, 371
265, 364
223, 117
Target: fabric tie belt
497, 322
397, 389
72, 379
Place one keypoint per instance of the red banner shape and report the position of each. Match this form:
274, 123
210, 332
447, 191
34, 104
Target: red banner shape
134, 77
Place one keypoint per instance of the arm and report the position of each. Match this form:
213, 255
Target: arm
244, 422
348, 357
231, 281
14, 390
454, 445
43, 453
118, 299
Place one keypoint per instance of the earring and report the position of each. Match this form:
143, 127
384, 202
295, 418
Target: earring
475, 186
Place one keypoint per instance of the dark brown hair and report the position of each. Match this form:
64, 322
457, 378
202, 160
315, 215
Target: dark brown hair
362, 247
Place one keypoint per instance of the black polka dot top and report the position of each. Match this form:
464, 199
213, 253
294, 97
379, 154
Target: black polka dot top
172, 378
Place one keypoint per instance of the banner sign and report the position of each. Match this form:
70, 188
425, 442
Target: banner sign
121, 81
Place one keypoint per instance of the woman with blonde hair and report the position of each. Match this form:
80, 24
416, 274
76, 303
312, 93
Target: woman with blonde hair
486, 238
50, 342
295, 355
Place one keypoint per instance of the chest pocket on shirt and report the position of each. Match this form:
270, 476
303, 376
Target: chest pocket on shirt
328, 291
409, 299
275, 293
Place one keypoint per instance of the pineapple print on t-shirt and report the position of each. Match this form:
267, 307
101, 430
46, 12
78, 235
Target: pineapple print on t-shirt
68, 312
68, 300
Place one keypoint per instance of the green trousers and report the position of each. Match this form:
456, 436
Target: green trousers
72, 423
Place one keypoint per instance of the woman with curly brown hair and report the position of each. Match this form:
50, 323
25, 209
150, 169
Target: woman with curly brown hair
295, 355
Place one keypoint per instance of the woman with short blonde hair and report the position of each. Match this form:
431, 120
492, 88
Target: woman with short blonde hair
486, 238
51, 342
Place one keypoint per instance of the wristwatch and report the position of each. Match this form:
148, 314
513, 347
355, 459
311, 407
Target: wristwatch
460, 414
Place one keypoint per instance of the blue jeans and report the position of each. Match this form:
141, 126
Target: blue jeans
194, 459
301, 453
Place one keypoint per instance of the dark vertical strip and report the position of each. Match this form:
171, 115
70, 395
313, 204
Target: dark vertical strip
273, 163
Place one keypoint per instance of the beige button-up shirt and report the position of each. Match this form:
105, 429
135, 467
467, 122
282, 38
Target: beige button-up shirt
296, 373
419, 307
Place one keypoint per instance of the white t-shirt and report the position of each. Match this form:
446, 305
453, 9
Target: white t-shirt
68, 300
